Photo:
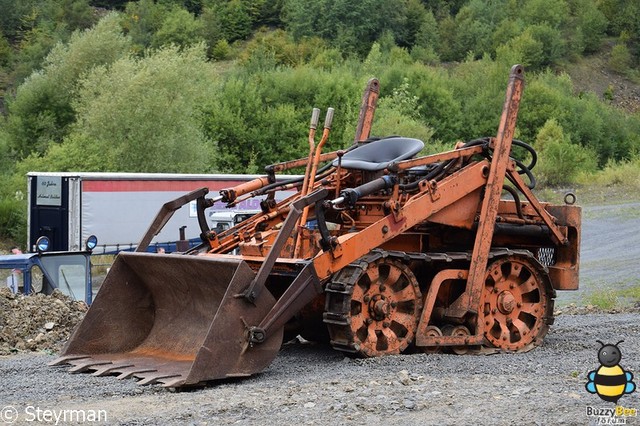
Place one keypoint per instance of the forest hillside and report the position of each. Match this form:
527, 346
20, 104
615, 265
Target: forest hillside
203, 86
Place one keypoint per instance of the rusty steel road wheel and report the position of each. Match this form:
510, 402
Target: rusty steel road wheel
518, 303
377, 311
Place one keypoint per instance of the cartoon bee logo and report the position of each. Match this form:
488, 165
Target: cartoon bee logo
610, 381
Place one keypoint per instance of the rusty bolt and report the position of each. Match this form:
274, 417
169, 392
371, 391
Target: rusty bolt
519, 305
385, 229
368, 321
394, 304
366, 298
494, 310
487, 323
382, 287
512, 285
386, 324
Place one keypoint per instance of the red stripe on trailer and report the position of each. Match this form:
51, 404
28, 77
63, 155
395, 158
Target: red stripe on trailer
155, 185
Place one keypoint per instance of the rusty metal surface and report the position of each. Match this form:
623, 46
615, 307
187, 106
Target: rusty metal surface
565, 270
493, 191
518, 303
367, 110
166, 211
354, 246
163, 315
373, 307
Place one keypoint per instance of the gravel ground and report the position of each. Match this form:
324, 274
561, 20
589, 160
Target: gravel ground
312, 384
610, 251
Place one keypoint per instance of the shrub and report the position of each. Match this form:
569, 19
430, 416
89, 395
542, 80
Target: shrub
13, 214
221, 50
41, 111
179, 27
620, 60
560, 160
625, 172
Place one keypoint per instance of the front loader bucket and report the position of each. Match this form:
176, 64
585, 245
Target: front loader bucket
172, 319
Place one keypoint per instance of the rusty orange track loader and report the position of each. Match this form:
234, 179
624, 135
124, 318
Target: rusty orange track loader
380, 250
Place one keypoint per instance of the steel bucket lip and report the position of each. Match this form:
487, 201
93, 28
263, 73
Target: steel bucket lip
199, 342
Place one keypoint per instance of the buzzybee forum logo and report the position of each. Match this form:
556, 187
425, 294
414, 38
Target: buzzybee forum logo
610, 382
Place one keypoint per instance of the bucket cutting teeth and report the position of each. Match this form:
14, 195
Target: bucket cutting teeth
85, 365
109, 369
172, 320
67, 359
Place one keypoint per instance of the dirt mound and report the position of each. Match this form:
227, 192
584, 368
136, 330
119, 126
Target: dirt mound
37, 322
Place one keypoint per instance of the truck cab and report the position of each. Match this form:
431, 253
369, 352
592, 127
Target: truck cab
222, 220
43, 272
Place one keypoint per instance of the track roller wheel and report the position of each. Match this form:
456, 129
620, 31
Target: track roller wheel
458, 330
432, 331
378, 311
518, 303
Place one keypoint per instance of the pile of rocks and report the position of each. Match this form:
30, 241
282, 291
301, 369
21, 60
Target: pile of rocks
37, 322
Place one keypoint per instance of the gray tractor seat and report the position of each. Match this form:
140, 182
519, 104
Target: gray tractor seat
378, 154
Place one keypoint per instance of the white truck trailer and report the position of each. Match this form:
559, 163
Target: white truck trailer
118, 207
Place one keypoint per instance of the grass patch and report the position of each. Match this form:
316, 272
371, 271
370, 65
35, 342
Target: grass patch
603, 299
617, 183
608, 299
632, 293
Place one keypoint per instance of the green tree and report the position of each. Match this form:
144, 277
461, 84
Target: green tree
412, 24
143, 115
5, 52
620, 60
41, 111
221, 50
623, 17
179, 27
245, 128
553, 44
350, 26
12, 16
141, 20
75, 14
560, 160
523, 49
505, 31
211, 27
270, 14
300, 19
591, 23
235, 20
427, 35
553, 13
446, 49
